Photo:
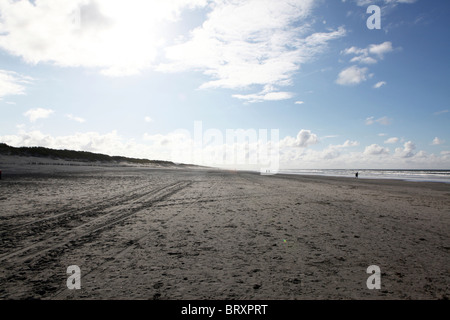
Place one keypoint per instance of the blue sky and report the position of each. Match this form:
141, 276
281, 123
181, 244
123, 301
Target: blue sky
123, 77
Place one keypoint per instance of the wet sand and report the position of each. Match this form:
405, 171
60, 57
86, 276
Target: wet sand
175, 234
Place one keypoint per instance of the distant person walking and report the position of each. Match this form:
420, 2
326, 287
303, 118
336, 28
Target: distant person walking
356, 175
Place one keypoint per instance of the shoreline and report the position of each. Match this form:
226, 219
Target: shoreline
16, 164
380, 177
372, 180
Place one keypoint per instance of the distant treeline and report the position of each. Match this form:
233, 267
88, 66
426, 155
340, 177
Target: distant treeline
73, 155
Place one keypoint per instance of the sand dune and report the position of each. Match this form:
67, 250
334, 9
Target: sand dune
142, 233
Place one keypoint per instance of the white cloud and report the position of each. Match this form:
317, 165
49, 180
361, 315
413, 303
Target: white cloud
392, 140
348, 144
381, 49
329, 153
389, 2
363, 2
375, 149
370, 121
400, 1
364, 60
253, 42
383, 121
363, 55
440, 112
355, 50
119, 37
352, 76
407, 151
379, 84
333, 151
75, 118
38, 113
304, 139
148, 119
268, 94
437, 141
299, 102
12, 83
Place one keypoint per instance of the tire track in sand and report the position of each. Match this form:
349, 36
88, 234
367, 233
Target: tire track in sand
48, 221
86, 230
101, 268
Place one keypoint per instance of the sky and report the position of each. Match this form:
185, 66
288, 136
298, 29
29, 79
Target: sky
146, 79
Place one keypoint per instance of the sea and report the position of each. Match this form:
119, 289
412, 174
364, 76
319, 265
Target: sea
408, 175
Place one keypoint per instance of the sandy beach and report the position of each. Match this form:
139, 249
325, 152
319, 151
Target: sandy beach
172, 234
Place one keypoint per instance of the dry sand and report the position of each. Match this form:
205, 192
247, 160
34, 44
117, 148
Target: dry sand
143, 233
